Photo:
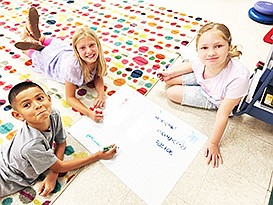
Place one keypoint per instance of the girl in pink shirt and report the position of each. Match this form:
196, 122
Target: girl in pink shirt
213, 81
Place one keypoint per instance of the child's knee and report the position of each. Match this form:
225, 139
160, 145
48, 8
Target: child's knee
173, 93
168, 82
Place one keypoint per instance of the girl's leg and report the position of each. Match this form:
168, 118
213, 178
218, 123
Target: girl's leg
29, 52
45, 41
189, 93
193, 96
189, 79
175, 93
28, 42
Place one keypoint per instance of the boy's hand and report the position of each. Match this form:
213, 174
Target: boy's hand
109, 153
48, 184
213, 155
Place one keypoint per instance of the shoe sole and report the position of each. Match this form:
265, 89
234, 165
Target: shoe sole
27, 45
34, 23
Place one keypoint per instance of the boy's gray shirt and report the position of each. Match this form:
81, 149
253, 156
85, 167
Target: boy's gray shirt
29, 155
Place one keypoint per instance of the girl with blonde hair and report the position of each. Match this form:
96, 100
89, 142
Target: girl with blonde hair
83, 63
214, 80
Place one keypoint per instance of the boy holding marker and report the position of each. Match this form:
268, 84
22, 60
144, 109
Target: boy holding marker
38, 147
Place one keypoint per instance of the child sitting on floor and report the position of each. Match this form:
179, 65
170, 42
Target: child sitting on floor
214, 80
31, 151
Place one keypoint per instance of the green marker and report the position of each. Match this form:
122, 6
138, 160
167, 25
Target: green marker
105, 149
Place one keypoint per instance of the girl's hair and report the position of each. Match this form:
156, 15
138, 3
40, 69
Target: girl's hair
234, 52
100, 64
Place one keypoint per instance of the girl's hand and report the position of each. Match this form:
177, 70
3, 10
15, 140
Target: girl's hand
99, 102
108, 154
213, 155
96, 115
164, 75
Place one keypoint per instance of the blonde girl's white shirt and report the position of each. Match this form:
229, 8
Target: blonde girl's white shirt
57, 61
232, 82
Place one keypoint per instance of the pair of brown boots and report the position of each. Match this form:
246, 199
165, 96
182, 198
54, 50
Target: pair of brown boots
31, 35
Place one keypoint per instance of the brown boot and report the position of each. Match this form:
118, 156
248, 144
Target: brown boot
29, 43
32, 26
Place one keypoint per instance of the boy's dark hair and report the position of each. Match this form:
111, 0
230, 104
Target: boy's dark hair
15, 90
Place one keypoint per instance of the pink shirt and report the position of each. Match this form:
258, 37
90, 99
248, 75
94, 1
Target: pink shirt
232, 82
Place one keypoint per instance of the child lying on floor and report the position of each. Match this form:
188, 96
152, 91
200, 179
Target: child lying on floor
82, 63
38, 147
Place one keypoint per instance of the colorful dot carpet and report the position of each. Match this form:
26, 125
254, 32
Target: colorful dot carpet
29, 195
138, 39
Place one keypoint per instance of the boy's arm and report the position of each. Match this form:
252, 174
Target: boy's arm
212, 151
59, 150
48, 184
65, 166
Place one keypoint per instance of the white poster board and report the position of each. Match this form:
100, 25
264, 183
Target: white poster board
155, 147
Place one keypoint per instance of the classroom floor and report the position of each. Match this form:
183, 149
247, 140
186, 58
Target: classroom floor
247, 146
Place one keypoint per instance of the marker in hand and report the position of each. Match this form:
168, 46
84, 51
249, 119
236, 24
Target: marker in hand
105, 149
98, 111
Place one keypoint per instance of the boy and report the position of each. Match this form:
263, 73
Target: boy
31, 151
